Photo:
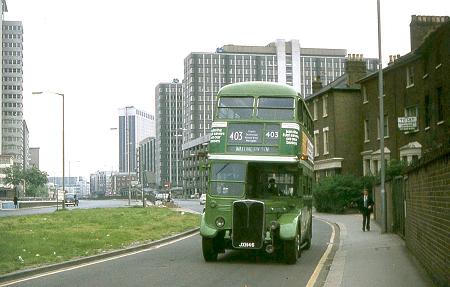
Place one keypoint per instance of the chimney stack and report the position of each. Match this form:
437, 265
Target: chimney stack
355, 68
422, 26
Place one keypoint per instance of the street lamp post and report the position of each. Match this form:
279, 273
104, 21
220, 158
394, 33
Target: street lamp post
381, 115
63, 160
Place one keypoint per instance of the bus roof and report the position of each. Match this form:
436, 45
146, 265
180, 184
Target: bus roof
258, 89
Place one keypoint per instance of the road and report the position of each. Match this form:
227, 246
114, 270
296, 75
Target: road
83, 204
193, 204
181, 264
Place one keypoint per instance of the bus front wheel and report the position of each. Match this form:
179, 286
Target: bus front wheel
292, 249
308, 240
209, 249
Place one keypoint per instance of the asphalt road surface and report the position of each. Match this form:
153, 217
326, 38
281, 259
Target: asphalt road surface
193, 204
181, 264
82, 204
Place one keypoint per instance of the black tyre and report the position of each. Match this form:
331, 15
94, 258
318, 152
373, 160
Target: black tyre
292, 249
209, 249
309, 237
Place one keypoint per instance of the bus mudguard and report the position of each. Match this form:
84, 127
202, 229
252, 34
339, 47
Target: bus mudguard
288, 225
205, 230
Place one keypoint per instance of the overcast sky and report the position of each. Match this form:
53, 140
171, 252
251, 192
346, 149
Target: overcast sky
106, 54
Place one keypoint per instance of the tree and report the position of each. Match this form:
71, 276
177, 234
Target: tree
395, 168
33, 177
35, 180
335, 194
14, 176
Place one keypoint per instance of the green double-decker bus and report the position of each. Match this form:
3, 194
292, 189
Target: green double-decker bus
260, 166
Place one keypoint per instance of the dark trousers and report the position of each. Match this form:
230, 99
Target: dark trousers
366, 220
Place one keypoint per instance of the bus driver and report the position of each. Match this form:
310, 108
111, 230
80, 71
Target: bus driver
273, 188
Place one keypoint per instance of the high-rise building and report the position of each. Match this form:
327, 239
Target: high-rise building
34, 157
206, 73
12, 133
169, 132
146, 162
134, 126
26, 156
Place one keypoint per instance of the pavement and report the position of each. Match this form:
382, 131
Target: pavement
371, 258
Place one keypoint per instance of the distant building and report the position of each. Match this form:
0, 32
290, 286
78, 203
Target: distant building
146, 162
206, 73
68, 181
11, 118
97, 183
336, 113
169, 132
122, 183
26, 156
415, 85
134, 126
34, 157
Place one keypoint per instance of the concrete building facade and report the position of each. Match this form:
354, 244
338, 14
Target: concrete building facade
169, 132
134, 126
26, 156
34, 157
147, 162
12, 129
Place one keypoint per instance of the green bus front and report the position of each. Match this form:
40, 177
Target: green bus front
260, 172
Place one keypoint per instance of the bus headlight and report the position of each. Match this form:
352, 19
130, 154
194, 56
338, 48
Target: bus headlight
220, 222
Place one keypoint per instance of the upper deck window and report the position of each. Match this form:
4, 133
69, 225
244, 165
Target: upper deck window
235, 108
275, 108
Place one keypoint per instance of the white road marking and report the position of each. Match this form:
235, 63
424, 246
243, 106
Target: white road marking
95, 262
312, 280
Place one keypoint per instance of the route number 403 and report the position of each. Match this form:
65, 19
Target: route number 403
272, 134
236, 136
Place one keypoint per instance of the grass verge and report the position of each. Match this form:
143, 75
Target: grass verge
30, 241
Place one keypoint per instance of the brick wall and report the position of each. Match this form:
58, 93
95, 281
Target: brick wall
427, 226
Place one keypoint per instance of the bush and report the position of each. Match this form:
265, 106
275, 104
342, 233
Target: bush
335, 194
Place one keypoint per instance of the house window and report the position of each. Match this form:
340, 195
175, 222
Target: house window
366, 130
364, 94
316, 143
409, 76
427, 111
413, 112
375, 167
439, 105
325, 141
325, 105
315, 109
367, 167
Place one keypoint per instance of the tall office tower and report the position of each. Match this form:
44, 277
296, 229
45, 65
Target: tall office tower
12, 83
26, 156
280, 61
34, 157
134, 126
169, 128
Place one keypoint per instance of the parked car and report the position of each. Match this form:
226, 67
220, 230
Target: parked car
71, 199
203, 199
